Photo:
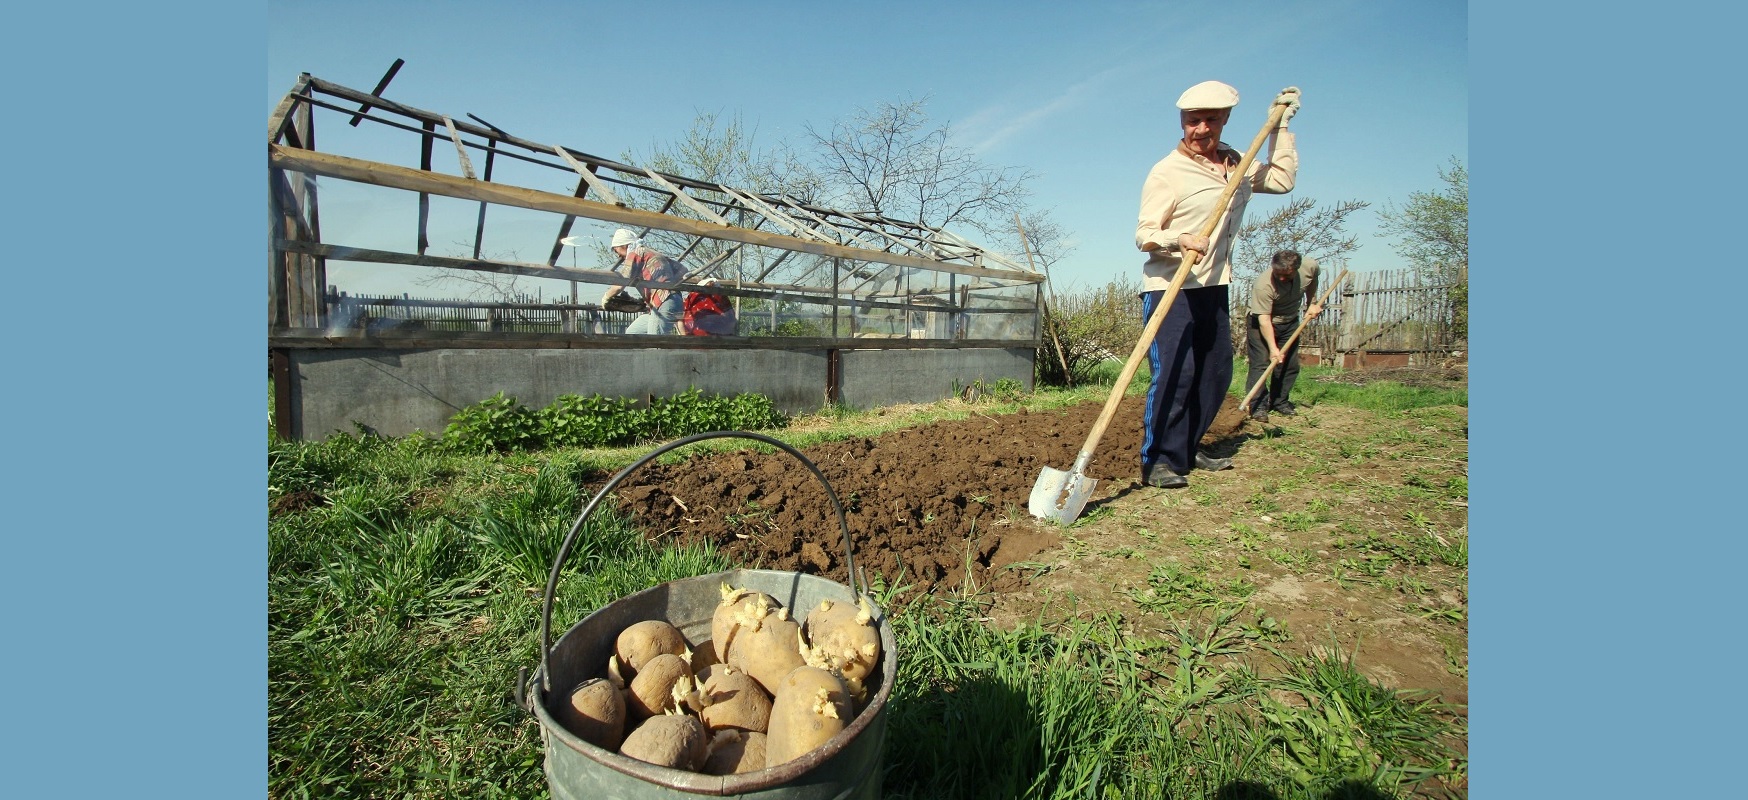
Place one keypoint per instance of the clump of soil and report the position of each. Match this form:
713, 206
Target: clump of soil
923, 505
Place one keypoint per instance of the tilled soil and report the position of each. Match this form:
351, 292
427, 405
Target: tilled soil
923, 505
1339, 524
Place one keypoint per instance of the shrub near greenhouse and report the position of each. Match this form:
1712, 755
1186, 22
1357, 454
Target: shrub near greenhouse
501, 423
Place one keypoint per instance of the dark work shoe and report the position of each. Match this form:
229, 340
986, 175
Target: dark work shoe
1260, 416
1287, 410
1212, 464
1161, 476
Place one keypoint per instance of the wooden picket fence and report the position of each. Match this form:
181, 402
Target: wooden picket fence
1395, 311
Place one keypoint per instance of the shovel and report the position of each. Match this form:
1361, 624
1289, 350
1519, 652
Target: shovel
1061, 496
1264, 380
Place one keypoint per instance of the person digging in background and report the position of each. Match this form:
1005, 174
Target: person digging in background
1191, 355
1274, 315
642, 263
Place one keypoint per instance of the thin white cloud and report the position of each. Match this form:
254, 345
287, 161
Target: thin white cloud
1008, 121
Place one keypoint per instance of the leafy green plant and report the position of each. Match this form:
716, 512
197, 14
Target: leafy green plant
500, 424
793, 327
594, 421
497, 423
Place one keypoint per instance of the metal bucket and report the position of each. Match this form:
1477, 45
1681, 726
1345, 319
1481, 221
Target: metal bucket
849, 765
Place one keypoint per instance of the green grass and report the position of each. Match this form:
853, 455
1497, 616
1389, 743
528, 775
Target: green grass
1309, 390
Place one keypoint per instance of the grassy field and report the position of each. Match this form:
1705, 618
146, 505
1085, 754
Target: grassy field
404, 593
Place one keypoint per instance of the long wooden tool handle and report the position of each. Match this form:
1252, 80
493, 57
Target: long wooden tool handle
1177, 282
1263, 381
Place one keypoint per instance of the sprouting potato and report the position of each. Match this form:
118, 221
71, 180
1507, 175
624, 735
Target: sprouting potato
703, 656
652, 691
734, 700
738, 607
842, 637
595, 712
767, 648
645, 640
675, 740
733, 752
705, 675
810, 706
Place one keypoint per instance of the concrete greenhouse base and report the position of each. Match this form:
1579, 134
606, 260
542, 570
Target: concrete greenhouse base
396, 392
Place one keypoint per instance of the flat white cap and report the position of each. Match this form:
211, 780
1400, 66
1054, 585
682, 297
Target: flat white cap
1208, 94
623, 236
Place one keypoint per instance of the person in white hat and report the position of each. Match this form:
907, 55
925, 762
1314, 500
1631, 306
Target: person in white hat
642, 263
1191, 356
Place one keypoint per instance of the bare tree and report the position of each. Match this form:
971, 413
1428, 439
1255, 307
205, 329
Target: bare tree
720, 150
891, 160
1433, 227
1301, 226
1043, 242
477, 285
1048, 241
1433, 233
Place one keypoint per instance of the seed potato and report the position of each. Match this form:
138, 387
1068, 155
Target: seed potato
595, 712
738, 607
652, 691
842, 637
768, 650
703, 656
810, 706
734, 700
645, 640
677, 741
733, 752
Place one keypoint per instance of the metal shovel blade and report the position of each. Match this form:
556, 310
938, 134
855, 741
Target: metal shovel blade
1060, 496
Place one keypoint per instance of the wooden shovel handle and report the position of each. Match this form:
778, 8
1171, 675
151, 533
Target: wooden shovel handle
1263, 381
1177, 283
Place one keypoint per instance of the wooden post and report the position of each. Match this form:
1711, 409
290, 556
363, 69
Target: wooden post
479, 230
425, 197
284, 422
834, 377
277, 317
315, 268
1345, 333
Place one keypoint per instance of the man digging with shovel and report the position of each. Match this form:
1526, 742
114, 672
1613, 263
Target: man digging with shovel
1191, 355
1275, 296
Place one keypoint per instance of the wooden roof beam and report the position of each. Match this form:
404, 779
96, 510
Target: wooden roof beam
389, 175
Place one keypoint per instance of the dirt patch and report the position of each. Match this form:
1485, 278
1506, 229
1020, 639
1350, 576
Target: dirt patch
1452, 375
1341, 524
926, 503
294, 502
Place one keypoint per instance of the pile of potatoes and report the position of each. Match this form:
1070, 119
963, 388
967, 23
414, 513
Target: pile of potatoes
764, 690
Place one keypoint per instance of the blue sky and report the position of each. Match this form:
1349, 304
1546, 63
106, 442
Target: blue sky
1082, 95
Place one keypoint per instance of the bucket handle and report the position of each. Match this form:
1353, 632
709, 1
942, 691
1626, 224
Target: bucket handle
564, 550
